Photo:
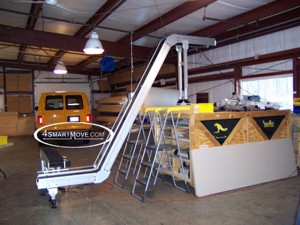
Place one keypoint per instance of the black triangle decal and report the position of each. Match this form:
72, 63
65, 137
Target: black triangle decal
268, 124
220, 129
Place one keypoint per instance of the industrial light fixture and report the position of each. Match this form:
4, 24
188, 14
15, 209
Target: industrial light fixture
60, 68
93, 45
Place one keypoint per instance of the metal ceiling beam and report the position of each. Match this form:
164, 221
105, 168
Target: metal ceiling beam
280, 21
57, 56
272, 57
108, 8
45, 67
88, 61
35, 11
212, 77
264, 11
31, 22
171, 16
67, 43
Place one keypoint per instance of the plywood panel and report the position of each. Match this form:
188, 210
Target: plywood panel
109, 108
112, 100
220, 169
254, 133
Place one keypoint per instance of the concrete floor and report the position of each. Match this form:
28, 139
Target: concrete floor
106, 204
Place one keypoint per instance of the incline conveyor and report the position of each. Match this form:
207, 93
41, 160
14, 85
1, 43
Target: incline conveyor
100, 170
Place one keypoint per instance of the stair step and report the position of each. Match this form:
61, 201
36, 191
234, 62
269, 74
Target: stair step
122, 171
136, 141
127, 156
184, 153
149, 164
161, 147
143, 181
170, 137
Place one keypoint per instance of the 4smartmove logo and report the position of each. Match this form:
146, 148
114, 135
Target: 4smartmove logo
72, 135
54, 135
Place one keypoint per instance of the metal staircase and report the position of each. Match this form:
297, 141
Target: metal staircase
131, 154
162, 152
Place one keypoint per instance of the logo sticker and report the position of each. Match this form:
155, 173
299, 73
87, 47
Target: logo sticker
52, 136
220, 129
269, 124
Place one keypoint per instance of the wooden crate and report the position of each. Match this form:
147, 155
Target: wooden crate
109, 108
228, 128
231, 128
9, 123
26, 125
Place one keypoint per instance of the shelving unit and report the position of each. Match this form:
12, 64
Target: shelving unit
17, 97
18, 91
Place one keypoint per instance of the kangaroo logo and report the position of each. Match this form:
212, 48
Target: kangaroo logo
219, 128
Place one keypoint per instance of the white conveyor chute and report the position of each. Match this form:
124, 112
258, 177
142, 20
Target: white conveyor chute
100, 170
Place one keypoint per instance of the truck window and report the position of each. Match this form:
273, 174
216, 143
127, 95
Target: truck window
54, 102
74, 102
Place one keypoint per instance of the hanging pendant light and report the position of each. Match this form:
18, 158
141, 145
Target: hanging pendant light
60, 68
93, 46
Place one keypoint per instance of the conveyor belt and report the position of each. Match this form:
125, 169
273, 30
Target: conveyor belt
102, 166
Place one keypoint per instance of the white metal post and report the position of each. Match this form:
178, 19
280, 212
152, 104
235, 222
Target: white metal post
179, 56
185, 46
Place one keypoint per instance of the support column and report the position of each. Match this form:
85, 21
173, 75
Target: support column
185, 46
237, 76
179, 61
296, 79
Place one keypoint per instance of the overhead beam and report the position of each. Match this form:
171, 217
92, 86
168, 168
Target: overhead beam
68, 43
272, 57
31, 22
45, 67
88, 61
171, 16
106, 10
278, 22
264, 11
212, 77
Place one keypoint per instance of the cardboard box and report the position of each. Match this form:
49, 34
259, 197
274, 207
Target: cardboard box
12, 103
8, 119
18, 82
9, 123
20, 104
12, 82
25, 125
9, 131
25, 82
25, 104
